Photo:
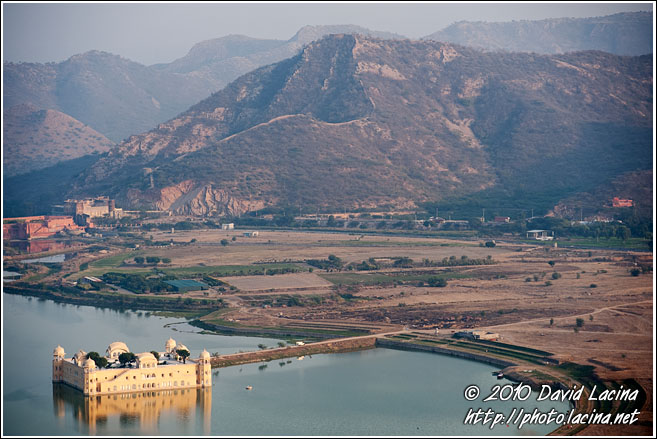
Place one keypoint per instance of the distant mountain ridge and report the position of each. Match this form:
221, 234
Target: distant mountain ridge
35, 139
358, 122
119, 97
627, 33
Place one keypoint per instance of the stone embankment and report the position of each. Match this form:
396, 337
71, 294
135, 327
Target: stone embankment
327, 347
406, 346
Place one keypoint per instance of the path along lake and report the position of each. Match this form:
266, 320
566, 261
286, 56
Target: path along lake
373, 392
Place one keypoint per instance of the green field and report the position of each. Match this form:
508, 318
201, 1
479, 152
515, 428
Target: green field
355, 243
381, 278
115, 264
602, 243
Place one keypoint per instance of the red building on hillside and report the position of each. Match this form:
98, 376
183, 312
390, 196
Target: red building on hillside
621, 202
31, 227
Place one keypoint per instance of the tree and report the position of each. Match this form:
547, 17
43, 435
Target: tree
556, 275
551, 263
101, 362
184, 353
579, 322
139, 259
156, 354
623, 233
127, 357
490, 244
224, 242
635, 272
152, 260
438, 282
166, 260
281, 344
262, 346
551, 322
331, 221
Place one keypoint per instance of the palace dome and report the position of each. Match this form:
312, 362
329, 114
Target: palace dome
59, 351
205, 355
89, 364
115, 349
146, 356
170, 345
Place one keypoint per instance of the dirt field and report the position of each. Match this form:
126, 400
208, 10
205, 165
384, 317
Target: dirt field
292, 246
289, 281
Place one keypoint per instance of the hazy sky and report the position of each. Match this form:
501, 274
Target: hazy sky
161, 32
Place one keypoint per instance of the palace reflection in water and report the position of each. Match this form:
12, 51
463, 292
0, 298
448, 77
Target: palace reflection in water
146, 412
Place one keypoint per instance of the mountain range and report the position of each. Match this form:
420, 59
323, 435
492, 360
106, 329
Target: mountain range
357, 122
398, 129
628, 33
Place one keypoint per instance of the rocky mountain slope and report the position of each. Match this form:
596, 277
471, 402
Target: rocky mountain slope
627, 33
35, 139
357, 122
222, 60
118, 97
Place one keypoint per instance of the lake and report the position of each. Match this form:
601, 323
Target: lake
373, 392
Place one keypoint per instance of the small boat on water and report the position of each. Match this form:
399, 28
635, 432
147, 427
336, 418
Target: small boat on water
500, 376
249, 387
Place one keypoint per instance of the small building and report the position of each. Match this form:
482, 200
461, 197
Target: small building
621, 202
251, 234
90, 279
540, 235
227, 226
184, 285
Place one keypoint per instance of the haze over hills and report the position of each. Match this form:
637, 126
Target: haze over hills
35, 139
628, 33
113, 95
357, 122
119, 97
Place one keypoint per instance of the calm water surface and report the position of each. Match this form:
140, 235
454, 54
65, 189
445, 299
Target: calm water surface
375, 392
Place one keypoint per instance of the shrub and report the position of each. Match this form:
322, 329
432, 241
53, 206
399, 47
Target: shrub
555, 275
594, 286
490, 244
635, 272
437, 282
